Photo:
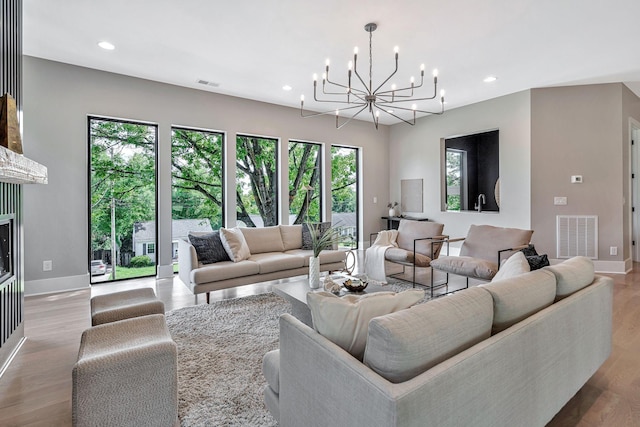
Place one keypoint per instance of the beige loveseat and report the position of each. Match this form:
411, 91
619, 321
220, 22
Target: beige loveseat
276, 253
509, 353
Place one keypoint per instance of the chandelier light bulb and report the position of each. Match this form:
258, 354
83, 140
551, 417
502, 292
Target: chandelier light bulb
435, 72
421, 67
395, 49
377, 114
337, 113
412, 80
414, 107
350, 65
442, 93
393, 86
327, 62
315, 77
302, 98
355, 50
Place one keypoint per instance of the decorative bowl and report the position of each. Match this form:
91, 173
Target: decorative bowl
355, 284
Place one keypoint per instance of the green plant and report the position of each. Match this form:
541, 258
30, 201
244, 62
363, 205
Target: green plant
141, 261
323, 239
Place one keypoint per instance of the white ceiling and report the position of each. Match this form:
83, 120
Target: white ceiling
251, 48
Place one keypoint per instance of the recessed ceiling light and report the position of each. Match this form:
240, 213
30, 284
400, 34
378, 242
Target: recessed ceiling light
286, 87
490, 79
106, 45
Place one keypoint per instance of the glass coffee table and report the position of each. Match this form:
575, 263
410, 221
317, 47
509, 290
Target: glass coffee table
295, 293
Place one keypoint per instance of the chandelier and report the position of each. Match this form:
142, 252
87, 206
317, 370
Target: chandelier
385, 99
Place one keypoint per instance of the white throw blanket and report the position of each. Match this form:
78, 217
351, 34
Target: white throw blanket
374, 256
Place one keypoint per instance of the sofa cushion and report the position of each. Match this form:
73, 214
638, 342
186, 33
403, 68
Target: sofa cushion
276, 261
291, 236
344, 320
405, 344
572, 275
271, 369
516, 298
515, 265
466, 266
209, 247
263, 239
223, 270
235, 244
403, 255
328, 256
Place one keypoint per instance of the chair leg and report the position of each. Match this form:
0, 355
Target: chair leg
207, 297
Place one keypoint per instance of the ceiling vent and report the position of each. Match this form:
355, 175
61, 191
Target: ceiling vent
207, 83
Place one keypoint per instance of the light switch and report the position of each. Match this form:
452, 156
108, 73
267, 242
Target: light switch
576, 179
559, 200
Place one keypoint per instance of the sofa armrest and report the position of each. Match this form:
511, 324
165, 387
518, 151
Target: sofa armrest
187, 261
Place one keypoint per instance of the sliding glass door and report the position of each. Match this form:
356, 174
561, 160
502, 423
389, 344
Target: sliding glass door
122, 199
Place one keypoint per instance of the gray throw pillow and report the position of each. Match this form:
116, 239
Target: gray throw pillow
209, 248
306, 233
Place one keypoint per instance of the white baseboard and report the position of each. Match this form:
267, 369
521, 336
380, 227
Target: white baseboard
165, 271
56, 284
612, 267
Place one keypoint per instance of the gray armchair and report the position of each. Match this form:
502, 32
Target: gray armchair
482, 251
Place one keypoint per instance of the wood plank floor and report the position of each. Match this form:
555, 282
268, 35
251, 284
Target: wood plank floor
36, 388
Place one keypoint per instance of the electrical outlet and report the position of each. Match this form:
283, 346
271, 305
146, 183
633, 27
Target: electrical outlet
375, 199
613, 250
559, 200
47, 265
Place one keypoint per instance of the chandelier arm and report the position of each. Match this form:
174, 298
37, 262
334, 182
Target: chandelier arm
419, 111
343, 86
355, 70
315, 98
323, 113
411, 88
343, 93
350, 118
400, 118
391, 75
376, 119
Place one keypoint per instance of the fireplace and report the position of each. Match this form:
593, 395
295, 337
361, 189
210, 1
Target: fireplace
7, 248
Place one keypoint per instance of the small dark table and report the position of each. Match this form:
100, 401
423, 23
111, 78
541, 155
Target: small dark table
393, 222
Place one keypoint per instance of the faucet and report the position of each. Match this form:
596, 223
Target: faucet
481, 200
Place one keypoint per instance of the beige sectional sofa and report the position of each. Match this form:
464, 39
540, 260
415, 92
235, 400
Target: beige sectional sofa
276, 253
509, 353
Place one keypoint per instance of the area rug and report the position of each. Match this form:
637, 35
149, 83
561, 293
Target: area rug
220, 349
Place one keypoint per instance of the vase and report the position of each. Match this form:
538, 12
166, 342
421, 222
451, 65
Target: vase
392, 211
314, 272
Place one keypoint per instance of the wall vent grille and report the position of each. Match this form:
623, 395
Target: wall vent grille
577, 235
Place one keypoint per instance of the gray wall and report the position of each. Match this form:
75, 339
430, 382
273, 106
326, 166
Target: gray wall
58, 98
581, 130
415, 152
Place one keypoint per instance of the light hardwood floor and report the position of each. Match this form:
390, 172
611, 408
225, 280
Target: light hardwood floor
36, 388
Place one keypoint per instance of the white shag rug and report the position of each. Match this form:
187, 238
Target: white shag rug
220, 350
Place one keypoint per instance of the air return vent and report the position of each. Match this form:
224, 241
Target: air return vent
577, 235
207, 83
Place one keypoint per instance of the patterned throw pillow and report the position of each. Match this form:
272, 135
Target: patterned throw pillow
535, 261
209, 248
306, 233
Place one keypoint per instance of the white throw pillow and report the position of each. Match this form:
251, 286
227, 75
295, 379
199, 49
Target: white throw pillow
235, 244
515, 265
345, 320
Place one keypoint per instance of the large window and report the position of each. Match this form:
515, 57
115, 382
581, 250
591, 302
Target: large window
344, 194
257, 181
122, 199
197, 175
305, 183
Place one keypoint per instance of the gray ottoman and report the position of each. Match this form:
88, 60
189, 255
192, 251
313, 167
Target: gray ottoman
124, 305
126, 375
